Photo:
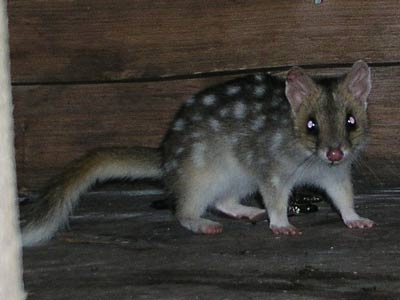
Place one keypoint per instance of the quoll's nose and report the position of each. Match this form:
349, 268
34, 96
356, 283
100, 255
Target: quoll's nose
334, 154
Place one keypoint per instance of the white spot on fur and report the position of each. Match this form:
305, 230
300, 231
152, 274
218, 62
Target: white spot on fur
179, 150
239, 110
196, 134
198, 154
224, 112
258, 107
259, 77
285, 122
249, 157
276, 141
171, 165
259, 90
258, 123
174, 164
275, 180
215, 124
197, 117
276, 101
190, 101
179, 125
233, 90
209, 100
234, 139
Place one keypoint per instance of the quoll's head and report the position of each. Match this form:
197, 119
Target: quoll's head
330, 115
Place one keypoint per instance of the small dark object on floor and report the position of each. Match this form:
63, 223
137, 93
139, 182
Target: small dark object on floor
303, 201
301, 208
308, 194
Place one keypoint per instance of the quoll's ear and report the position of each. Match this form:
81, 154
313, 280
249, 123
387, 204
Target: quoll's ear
298, 87
358, 82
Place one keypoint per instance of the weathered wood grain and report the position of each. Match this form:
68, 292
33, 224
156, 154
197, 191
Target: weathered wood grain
57, 123
92, 40
119, 248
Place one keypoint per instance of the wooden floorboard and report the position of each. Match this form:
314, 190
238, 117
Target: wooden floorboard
120, 248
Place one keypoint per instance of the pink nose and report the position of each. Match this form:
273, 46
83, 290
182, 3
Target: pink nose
335, 155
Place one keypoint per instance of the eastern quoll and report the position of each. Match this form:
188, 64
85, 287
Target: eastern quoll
255, 133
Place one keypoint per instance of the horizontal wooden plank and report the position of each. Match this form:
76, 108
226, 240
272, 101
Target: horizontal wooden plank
120, 248
57, 123
100, 40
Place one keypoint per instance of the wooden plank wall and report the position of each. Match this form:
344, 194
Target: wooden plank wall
95, 73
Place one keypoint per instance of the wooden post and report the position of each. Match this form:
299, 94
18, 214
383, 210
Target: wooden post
11, 286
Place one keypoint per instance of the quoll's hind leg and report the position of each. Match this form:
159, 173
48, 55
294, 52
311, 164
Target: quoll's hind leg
231, 206
191, 205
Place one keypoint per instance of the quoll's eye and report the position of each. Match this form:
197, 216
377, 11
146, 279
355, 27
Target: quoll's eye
351, 122
312, 126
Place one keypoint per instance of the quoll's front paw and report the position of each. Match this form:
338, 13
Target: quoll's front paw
285, 230
360, 223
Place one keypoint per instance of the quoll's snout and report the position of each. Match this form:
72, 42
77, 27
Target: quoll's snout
335, 154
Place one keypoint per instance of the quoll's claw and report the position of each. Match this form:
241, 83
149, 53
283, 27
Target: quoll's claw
285, 230
211, 229
360, 223
200, 225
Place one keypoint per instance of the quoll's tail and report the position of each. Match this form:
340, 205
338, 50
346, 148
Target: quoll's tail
50, 212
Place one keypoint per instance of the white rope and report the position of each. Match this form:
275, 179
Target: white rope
11, 286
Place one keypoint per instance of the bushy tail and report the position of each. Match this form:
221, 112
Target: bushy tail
51, 211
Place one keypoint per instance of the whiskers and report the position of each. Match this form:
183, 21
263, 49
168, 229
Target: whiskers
360, 164
361, 135
305, 165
